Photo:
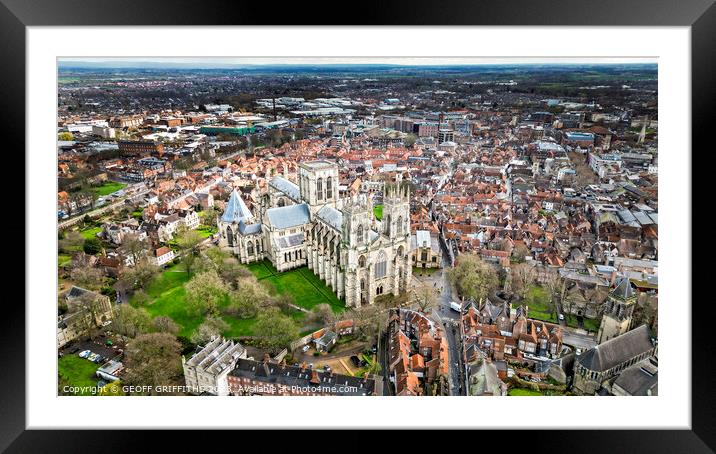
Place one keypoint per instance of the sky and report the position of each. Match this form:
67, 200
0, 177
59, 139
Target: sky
209, 62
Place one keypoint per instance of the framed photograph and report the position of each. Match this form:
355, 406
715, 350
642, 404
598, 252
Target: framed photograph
424, 217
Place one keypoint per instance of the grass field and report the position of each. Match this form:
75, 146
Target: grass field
540, 307
90, 232
306, 288
169, 298
108, 187
78, 372
206, 231
589, 324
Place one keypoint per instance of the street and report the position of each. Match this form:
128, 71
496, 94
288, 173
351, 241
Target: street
583, 341
449, 320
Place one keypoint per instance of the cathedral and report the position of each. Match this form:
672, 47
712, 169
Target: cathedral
339, 239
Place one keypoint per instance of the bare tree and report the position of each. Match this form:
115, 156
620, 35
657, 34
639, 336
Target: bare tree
154, 360
474, 278
134, 248
523, 277
426, 296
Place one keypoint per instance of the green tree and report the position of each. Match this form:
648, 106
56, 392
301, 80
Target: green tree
275, 330
247, 299
65, 136
130, 321
205, 291
92, 246
473, 278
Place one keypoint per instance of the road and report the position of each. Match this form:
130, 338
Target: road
97, 211
449, 320
583, 341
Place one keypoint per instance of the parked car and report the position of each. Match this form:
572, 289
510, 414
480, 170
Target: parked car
92, 356
305, 348
84, 353
561, 316
98, 359
355, 360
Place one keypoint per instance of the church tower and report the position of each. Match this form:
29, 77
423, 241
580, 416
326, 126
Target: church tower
618, 311
395, 226
396, 211
357, 221
318, 184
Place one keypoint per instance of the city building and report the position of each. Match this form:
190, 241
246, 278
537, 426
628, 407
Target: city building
206, 371
266, 378
595, 367
417, 354
426, 250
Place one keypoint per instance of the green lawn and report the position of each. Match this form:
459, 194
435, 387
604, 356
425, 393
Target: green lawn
206, 231
168, 295
306, 288
108, 187
539, 305
78, 371
378, 212
523, 392
589, 324
90, 232
262, 269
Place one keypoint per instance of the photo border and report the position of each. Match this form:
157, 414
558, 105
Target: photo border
16, 15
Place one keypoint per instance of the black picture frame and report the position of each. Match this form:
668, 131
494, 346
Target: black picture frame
700, 15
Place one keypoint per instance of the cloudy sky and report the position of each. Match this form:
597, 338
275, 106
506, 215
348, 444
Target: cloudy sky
239, 61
